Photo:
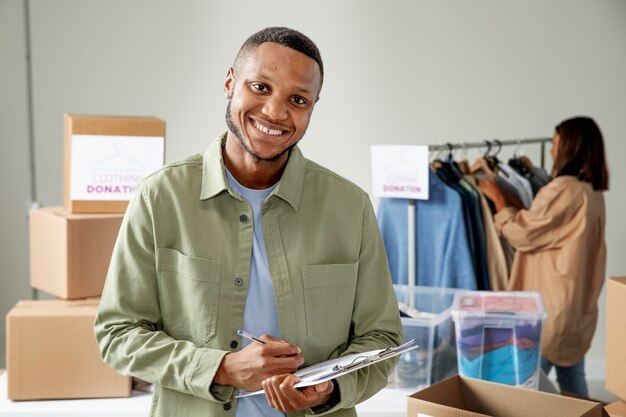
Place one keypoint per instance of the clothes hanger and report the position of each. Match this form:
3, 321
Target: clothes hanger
463, 163
519, 161
482, 164
437, 163
493, 158
452, 164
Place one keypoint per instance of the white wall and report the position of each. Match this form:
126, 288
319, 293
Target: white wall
14, 168
397, 72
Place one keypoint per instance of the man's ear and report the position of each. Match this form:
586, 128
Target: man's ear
229, 84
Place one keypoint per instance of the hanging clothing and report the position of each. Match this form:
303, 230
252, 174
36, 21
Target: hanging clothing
442, 253
513, 195
473, 221
561, 253
520, 183
537, 177
496, 260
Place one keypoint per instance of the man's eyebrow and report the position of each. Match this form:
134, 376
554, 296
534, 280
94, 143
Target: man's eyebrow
302, 90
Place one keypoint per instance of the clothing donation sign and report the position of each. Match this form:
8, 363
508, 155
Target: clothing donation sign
108, 168
106, 157
400, 171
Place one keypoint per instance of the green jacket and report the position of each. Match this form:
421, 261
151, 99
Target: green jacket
176, 288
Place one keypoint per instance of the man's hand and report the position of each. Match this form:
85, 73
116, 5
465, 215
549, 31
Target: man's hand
257, 362
282, 396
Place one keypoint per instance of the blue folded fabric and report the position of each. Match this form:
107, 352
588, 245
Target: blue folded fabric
506, 365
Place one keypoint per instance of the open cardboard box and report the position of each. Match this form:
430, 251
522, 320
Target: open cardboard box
459, 396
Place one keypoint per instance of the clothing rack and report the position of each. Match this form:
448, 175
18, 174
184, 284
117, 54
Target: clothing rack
489, 144
494, 142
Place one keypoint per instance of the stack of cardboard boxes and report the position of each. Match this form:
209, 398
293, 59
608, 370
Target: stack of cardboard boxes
51, 349
616, 344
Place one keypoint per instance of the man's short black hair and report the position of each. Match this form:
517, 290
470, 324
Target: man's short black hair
290, 38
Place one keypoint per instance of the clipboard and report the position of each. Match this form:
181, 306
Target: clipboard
333, 368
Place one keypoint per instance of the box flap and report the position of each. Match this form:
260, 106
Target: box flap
478, 398
616, 409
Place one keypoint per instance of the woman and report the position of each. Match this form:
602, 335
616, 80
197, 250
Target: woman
560, 245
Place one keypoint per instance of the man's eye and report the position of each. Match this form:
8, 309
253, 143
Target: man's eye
260, 87
298, 100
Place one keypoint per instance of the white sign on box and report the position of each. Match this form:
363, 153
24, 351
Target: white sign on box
400, 171
109, 168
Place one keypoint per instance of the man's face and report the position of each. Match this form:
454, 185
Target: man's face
271, 95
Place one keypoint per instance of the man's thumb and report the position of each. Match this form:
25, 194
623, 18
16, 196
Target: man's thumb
324, 387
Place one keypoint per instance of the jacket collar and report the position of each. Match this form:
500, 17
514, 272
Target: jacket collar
214, 176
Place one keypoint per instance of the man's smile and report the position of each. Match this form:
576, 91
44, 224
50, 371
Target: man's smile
268, 131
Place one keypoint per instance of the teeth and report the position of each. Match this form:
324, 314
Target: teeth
266, 130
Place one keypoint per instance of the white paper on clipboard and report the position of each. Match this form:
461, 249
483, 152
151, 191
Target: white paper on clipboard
333, 368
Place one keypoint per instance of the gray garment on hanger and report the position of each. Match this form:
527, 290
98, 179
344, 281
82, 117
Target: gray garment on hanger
521, 184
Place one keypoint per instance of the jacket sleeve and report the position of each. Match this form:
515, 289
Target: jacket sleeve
128, 325
375, 320
543, 226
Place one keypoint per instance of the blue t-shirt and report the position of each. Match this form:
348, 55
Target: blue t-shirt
260, 315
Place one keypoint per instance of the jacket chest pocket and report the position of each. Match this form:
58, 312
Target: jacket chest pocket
329, 293
189, 293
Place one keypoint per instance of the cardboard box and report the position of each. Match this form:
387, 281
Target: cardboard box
52, 353
70, 253
616, 409
106, 157
467, 397
616, 336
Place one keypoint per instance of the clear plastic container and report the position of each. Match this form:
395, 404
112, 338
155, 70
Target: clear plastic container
435, 358
498, 336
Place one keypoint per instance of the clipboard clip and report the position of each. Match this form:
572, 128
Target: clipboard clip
364, 360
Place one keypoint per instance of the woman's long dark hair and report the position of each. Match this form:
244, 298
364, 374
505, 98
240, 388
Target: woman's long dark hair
581, 152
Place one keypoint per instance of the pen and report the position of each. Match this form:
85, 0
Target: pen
249, 336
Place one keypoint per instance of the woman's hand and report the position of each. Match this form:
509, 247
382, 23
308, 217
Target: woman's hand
492, 191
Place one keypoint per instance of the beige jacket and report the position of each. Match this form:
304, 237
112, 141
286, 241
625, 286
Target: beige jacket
561, 253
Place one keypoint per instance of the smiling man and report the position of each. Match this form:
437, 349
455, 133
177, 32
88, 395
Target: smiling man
251, 235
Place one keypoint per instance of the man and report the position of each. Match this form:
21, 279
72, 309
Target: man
250, 235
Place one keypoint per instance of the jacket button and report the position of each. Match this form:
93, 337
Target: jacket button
243, 218
234, 344
227, 406
238, 281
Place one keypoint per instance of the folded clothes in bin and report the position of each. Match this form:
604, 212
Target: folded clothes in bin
506, 365
499, 336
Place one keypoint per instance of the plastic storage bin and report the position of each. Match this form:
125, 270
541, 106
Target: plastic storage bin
498, 336
435, 358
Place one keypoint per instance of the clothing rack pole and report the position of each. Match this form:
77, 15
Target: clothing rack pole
411, 247
411, 278
491, 142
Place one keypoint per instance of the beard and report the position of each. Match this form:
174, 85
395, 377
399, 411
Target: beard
235, 131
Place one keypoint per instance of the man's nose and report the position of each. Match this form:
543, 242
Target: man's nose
275, 108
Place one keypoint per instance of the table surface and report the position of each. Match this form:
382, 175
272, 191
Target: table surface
388, 402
